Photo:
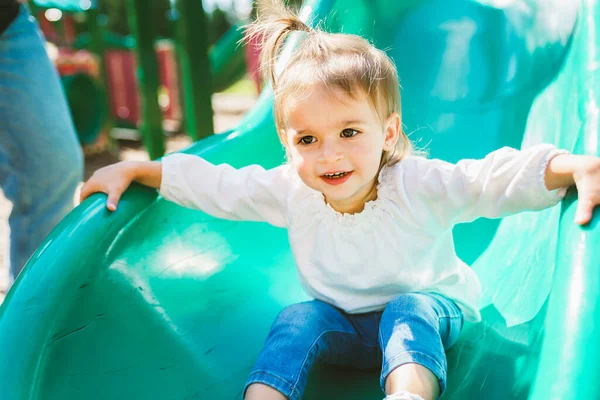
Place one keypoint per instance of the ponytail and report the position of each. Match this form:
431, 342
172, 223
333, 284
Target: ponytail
273, 25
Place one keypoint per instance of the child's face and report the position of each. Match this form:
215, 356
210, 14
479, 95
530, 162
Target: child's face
328, 134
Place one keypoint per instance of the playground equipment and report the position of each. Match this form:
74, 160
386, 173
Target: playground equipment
227, 66
156, 69
156, 301
80, 71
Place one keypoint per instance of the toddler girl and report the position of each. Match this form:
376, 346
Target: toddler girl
369, 222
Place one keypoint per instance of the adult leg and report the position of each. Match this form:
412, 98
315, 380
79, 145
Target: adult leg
40, 158
304, 333
415, 331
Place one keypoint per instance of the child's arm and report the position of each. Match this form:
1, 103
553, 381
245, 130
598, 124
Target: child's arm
115, 179
567, 170
505, 182
249, 193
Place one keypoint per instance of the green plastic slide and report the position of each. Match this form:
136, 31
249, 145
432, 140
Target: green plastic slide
156, 301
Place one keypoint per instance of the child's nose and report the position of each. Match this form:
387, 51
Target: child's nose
331, 152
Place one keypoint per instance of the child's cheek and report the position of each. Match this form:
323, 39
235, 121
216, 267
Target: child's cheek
298, 158
301, 165
304, 169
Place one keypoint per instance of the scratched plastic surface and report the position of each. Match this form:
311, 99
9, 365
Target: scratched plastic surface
159, 302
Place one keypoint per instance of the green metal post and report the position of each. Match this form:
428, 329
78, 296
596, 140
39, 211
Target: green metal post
96, 43
194, 65
142, 26
97, 30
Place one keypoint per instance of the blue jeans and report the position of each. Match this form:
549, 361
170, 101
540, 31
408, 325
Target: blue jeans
40, 158
413, 328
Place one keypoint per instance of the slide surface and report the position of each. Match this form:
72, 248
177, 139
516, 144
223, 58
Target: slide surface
159, 302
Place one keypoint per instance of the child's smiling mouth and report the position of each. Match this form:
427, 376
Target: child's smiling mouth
336, 178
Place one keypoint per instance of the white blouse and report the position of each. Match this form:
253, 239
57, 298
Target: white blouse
401, 242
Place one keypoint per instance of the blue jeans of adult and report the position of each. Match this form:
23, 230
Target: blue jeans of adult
413, 328
41, 161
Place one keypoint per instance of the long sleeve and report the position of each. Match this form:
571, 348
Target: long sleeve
250, 193
506, 181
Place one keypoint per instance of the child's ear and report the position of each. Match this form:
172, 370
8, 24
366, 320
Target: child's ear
392, 132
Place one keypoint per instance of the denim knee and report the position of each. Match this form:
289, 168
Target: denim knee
300, 334
418, 328
410, 304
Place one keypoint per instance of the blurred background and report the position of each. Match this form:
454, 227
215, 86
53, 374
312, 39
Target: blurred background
181, 59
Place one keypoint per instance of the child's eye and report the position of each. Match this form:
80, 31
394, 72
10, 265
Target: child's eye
307, 140
348, 133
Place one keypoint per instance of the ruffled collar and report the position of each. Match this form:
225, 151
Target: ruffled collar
373, 210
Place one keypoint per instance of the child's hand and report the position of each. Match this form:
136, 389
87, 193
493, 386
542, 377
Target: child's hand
587, 179
112, 180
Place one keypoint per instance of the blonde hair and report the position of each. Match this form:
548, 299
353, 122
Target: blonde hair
342, 61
